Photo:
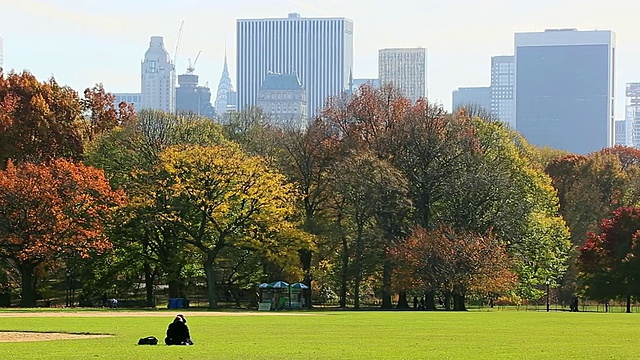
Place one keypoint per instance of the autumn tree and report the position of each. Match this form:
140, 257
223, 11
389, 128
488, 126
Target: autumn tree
609, 261
455, 263
102, 114
229, 199
39, 121
130, 156
50, 212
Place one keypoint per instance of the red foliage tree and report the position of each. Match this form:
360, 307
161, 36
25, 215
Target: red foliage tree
50, 212
38, 120
102, 113
455, 263
609, 262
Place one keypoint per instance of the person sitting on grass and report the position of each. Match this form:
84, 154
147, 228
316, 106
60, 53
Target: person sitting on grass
178, 332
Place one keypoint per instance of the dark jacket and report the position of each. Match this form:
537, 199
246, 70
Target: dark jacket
178, 333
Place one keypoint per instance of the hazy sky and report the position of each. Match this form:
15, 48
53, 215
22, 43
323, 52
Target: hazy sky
82, 42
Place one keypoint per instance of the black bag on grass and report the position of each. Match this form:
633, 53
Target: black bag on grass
149, 340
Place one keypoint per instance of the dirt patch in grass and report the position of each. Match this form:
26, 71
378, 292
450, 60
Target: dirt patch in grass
21, 336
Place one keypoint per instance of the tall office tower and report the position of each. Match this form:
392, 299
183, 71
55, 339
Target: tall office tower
192, 98
624, 133
283, 98
131, 98
405, 69
632, 112
564, 89
503, 81
318, 50
158, 78
478, 98
224, 88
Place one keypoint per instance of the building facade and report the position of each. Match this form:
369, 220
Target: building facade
623, 133
158, 78
478, 98
503, 81
318, 50
564, 89
225, 91
283, 98
405, 69
192, 98
130, 98
632, 111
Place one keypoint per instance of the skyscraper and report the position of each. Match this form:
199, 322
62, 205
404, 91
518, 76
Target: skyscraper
564, 88
632, 112
224, 88
318, 50
158, 78
192, 98
405, 69
475, 97
503, 81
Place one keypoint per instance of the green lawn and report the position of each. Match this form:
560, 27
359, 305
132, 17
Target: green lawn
343, 335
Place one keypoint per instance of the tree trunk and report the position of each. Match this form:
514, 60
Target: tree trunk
402, 301
458, 302
211, 281
386, 284
430, 303
628, 304
28, 289
356, 292
174, 288
447, 301
148, 284
345, 265
305, 261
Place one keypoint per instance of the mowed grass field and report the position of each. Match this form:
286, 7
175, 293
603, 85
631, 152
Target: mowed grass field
338, 335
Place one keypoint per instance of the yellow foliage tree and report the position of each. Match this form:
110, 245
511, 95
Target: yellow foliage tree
226, 198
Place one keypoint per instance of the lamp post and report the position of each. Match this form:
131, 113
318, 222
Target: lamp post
548, 283
68, 288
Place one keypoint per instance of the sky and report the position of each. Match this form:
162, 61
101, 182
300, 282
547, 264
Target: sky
84, 42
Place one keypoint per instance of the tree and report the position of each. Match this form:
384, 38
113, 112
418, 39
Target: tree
102, 113
39, 121
50, 212
609, 262
226, 198
456, 263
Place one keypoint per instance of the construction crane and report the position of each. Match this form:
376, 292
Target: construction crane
191, 66
175, 54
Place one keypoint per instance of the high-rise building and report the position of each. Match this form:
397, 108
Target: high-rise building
503, 81
632, 112
223, 96
192, 98
356, 83
131, 98
624, 133
283, 98
318, 50
474, 97
158, 78
564, 89
405, 69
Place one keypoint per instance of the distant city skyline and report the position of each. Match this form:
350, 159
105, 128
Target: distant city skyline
88, 41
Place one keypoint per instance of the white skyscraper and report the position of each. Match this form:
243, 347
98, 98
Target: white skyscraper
318, 50
158, 78
503, 82
632, 113
405, 69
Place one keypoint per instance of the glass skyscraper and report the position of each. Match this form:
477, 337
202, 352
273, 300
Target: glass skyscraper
318, 50
564, 89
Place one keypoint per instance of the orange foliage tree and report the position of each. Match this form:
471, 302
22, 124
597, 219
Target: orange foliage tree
52, 211
454, 263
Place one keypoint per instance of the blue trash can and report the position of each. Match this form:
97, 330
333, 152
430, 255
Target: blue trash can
179, 303
172, 303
